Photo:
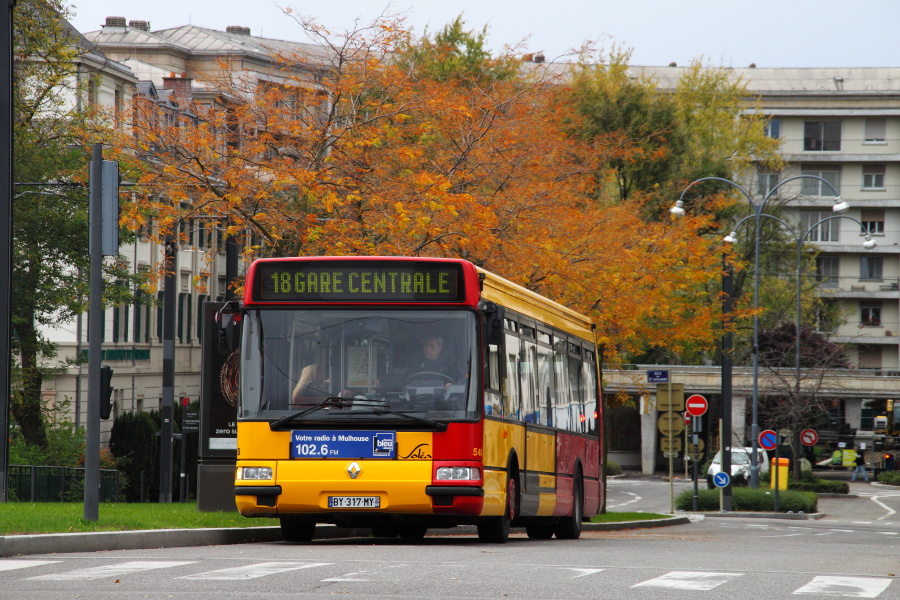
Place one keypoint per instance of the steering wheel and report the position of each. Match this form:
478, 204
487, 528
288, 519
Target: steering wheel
430, 374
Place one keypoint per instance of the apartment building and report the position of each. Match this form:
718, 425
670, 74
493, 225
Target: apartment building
841, 125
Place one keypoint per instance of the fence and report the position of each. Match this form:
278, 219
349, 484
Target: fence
32, 483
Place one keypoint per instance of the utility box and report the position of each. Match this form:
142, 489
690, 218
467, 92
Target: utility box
781, 472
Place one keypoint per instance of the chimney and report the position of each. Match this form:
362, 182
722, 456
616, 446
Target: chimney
180, 84
115, 22
538, 57
237, 30
140, 25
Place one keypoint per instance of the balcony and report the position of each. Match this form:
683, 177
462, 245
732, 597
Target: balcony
854, 193
849, 288
795, 150
853, 332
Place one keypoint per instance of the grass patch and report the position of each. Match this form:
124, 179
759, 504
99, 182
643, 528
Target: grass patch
623, 517
67, 517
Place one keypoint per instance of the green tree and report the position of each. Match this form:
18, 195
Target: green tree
50, 218
641, 122
455, 54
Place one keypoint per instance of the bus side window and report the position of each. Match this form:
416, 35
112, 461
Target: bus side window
511, 397
492, 404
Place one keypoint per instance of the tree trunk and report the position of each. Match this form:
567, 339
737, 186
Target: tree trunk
26, 402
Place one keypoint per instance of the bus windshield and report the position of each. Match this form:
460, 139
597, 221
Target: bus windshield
372, 364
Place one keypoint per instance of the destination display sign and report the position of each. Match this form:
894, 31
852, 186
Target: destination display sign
343, 444
364, 281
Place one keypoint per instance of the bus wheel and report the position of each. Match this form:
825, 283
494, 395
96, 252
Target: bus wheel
297, 530
496, 529
569, 528
540, 531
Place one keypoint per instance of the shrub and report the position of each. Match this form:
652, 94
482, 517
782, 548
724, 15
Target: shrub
749, 500
889, 477
810, 482
613, 468
133, 441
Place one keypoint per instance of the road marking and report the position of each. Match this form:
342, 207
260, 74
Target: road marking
636, 498
116, 570
253, 571
9, 565
584, 572
890, 511
687, 580
856, 587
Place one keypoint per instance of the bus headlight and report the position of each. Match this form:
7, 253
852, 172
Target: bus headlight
458, 474
255, 473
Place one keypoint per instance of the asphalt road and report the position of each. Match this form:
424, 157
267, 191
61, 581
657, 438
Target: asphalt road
851, 551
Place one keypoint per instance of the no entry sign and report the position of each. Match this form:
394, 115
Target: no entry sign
696, 405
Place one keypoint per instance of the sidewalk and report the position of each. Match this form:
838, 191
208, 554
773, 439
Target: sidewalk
50, 543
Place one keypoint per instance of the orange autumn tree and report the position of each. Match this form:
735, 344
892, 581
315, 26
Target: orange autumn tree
379, 143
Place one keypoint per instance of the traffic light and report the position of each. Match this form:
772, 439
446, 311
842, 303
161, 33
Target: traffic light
889, 464
105, 391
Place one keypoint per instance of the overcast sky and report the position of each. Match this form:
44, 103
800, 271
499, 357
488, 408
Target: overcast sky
730, 33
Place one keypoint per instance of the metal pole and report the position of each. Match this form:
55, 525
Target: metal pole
167, 410
6, 245
727, 346
671, 466
95, 342
754, 429
182, 492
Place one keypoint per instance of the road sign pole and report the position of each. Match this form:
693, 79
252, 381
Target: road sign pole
671, 461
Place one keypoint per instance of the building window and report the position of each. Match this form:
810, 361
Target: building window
873, 177
767, 181
827, 271
870, 314
870, 267
117, 106
873, 221
773, 128
876, 130
817, 187
822, 136
829, 231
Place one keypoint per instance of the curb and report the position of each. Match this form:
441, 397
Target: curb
52, 543
764, 515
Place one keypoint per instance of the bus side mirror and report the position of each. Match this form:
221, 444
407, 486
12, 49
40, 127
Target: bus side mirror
493, 322
227, 319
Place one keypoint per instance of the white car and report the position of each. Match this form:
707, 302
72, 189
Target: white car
740, 465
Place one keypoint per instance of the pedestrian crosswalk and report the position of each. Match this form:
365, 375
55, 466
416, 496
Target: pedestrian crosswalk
29, 571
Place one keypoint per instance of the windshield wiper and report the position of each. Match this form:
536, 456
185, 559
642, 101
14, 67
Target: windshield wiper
335, 400
436, 425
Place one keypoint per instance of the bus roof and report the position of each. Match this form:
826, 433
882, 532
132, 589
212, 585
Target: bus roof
495, 288
524, 301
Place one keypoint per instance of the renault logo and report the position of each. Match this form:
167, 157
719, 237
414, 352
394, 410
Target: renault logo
353, 470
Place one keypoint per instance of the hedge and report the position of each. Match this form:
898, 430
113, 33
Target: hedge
749, 500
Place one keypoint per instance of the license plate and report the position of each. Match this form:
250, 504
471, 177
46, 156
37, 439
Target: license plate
354, 502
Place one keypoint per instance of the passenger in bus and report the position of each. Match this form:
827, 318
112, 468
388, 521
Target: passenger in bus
312, 386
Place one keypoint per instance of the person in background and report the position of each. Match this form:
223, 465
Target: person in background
312, 385
860, 466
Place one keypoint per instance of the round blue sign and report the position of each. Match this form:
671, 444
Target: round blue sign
768, 439
721, 479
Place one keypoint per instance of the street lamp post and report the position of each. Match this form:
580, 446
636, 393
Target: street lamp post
799, 239
678, 209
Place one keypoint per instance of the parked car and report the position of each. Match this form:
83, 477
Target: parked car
740, 465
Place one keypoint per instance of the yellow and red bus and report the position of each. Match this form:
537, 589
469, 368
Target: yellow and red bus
503, 429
